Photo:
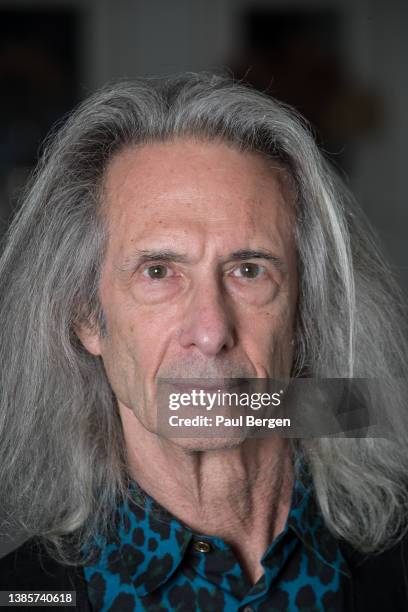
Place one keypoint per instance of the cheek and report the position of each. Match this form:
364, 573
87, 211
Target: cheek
126, 345
125, 359
267, 338
136, 341
274, 322
276, 333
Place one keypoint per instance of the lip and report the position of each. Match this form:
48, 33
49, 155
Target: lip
223, 385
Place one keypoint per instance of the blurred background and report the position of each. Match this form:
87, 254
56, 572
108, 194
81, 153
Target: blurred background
341, 63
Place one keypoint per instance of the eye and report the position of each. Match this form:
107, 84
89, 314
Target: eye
249, 270
157, 272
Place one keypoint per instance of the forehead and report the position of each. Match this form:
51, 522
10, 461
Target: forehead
186, 186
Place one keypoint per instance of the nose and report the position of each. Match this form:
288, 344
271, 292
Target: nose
208, 321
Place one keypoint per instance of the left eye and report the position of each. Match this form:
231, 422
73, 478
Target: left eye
157, 272
248, 270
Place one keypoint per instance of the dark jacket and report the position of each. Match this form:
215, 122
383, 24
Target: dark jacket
379, 583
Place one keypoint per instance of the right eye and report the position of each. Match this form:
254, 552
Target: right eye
157, 272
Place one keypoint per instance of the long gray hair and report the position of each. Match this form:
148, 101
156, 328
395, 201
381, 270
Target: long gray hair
62, 460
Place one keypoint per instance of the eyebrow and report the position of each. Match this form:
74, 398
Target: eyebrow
250, 254
141, 256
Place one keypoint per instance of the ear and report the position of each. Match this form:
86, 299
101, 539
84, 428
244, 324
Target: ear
90, 337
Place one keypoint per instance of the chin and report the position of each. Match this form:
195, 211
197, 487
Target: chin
208, 443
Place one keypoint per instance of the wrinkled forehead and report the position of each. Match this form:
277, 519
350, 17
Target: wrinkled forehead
192, 186
166, 160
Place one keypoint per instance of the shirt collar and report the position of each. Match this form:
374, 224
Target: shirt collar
151, 542
306, 521
159, 538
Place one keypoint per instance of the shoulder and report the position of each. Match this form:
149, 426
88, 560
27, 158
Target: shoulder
379, 581
30, 567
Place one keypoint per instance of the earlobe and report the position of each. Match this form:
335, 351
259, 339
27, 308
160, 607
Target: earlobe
90, 338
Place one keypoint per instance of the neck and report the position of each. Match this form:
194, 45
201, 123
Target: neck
240, 494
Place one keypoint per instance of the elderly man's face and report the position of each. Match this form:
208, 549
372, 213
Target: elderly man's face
199, 278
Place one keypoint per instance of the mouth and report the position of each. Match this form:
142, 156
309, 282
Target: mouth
208, 385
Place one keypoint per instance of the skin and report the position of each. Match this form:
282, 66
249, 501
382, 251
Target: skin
202, 313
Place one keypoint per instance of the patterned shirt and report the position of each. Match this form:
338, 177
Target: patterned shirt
154, 562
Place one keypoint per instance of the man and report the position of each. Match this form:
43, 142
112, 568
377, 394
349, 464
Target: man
188, 228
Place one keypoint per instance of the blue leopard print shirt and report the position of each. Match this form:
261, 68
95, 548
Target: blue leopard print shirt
154, 562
